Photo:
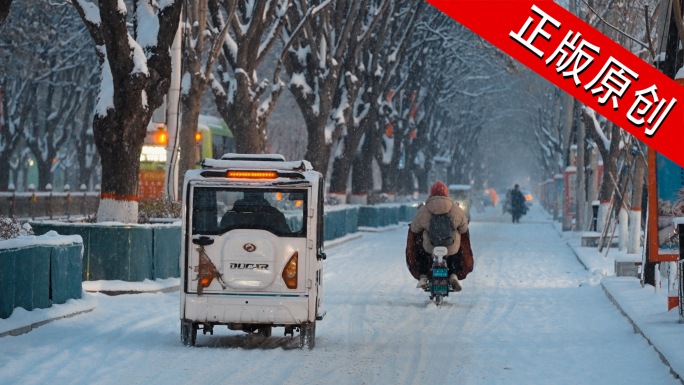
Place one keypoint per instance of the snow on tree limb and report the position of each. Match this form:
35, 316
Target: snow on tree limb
596, 126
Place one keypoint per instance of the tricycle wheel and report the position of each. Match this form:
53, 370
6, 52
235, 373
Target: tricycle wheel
307, 335
188, 333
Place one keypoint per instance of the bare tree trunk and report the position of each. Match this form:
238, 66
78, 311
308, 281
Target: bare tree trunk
8, 141
4, 9
317, 149
242, 121
192, 103
200, 51
609, 154
610, 176
4, 172
340, 173
634, 239
120, 157
389, 178
392, 182
84, 142
568, 121
243, 100
249, 141
593, 184
581, 209
129, 93
362, 172
342, 165
191, 100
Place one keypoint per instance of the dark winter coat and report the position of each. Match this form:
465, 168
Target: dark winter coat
436, 205
518, 202
418, 261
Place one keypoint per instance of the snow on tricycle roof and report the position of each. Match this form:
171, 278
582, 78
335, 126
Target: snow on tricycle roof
256, 162
253, 157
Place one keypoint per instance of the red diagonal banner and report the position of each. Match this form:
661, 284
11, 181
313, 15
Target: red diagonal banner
584, 63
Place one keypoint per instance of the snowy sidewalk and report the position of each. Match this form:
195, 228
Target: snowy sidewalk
23, 321
644, 307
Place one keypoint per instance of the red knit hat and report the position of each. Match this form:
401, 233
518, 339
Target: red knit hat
439, 188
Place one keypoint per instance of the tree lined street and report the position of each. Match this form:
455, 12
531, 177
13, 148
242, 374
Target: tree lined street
118, 99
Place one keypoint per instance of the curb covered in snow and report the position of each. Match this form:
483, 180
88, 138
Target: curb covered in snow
136, 291
115, 287
381, 229
661, 342
23, 321
359, 234
341, 240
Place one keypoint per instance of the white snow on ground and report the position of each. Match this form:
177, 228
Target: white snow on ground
530, 313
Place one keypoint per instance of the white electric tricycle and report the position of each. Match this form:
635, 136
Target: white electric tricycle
252, 247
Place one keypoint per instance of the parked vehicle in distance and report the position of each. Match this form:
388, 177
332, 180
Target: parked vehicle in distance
461, 194
529, 199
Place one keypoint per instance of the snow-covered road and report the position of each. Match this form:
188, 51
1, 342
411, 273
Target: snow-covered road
528, 314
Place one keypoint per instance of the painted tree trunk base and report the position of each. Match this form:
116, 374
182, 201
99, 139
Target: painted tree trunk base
111, 210
634, 239
338, 198
623, 223
359, 199
407, 198
602, 216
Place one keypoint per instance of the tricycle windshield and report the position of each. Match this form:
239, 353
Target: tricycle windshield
217, 210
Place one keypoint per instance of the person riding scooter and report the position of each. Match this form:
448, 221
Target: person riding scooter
419, 258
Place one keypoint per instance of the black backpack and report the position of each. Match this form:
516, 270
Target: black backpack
441, 230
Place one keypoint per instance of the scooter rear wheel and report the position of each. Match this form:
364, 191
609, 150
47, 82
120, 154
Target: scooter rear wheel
438, 300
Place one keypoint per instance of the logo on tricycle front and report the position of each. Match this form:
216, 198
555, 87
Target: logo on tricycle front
249, 266
249, 247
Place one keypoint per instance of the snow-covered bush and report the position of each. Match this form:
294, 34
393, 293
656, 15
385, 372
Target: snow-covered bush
333, 200
11, 228
158, 208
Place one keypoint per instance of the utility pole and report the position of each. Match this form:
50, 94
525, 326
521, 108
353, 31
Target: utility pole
172, 118
581, 208
569, 104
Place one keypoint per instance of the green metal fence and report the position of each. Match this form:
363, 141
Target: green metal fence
37, 276
124, 252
